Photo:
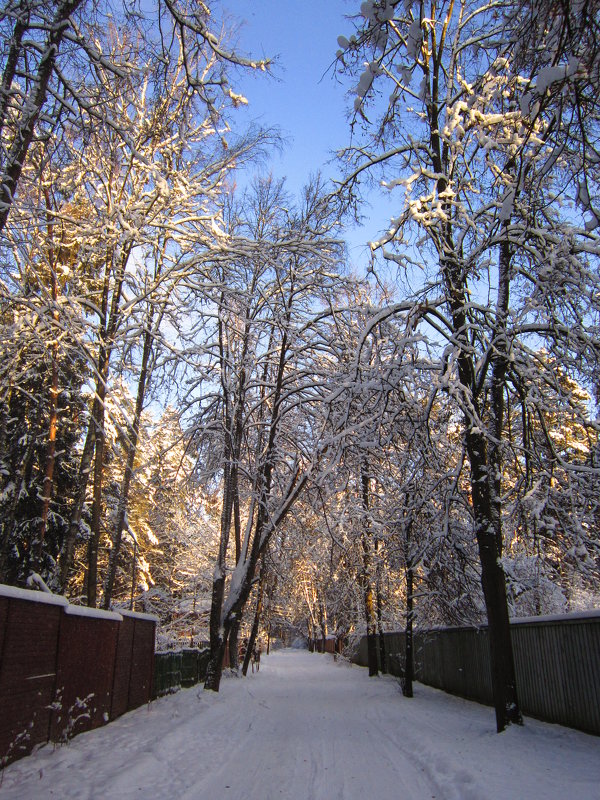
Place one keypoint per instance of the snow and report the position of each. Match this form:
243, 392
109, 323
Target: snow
36, 596
96, 613
307, 727
574, 616
138, 615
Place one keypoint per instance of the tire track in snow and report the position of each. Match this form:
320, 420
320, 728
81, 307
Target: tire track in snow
309, 738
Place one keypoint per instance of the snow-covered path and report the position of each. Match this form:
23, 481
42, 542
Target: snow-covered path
306, 728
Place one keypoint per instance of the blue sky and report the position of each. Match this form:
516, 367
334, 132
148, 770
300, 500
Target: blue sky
304, 99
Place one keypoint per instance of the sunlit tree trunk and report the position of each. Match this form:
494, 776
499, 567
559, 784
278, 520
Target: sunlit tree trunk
53, 396
109, 322
132, 445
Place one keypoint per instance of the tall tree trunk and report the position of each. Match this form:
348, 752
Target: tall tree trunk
379, 602
32, 107
368, 593
12, 60
323, 625
257, 616
85, 465
217, 638
22, 483
109, 323
250, 560
407, 679
50, 462
128, 474
218, 635
493, 581
99, 439
454, 275
263, 528
233, 646
487, 503
499, 367
53, 395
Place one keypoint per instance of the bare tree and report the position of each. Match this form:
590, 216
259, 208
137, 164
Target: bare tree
52, 47
264, 350
480, 151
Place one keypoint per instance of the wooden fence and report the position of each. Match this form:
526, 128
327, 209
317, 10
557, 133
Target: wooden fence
65, 669
557, 662
332, 645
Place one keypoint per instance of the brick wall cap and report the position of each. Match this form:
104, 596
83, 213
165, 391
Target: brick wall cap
16, 593
139, 615
96, 613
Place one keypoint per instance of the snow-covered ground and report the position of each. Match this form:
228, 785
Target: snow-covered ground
306, 728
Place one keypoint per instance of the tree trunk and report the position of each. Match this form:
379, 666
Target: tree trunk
50, 462
220, 632
218, 635
323, 625
128, 475
368, 593
53, 394
379, 600
407, 678
257, 537
214, 669
234, 645
66, 558
256, 621
486, 486
493, 582
218, 640
247, 560
487, 522
21, 486
109, 323
93, 545
32, 107
14, 54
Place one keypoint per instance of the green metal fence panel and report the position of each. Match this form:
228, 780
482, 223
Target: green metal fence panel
175, 669
167, 673
189, 667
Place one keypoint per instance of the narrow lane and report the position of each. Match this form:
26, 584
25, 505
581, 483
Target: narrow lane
306, 728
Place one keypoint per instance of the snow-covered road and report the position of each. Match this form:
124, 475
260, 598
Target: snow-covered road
306, 728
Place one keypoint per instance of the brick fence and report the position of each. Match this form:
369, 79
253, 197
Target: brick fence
65, 669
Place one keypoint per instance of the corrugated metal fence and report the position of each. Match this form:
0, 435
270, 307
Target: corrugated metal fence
557, 661
66, 669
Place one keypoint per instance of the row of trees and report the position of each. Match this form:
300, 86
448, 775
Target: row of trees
341, 456
115, 134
